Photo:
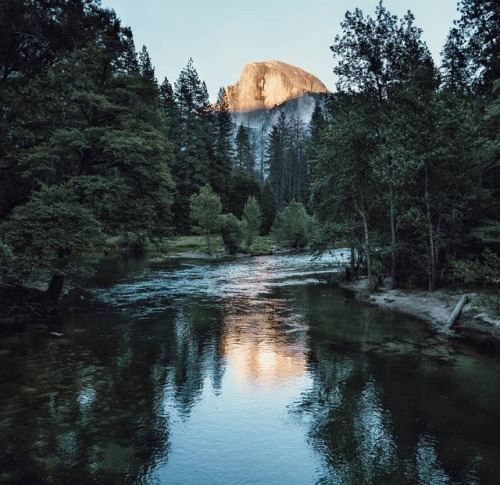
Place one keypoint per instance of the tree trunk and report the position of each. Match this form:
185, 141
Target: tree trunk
456, 314
55, 288
432, 246
392, 197
360, 207
207, 238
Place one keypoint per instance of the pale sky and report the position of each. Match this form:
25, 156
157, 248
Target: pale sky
221, 35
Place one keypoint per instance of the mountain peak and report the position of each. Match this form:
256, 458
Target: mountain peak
264, 85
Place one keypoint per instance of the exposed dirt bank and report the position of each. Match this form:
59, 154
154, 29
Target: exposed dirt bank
475, 322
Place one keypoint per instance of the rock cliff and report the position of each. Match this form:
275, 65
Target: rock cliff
265, 85
267, 89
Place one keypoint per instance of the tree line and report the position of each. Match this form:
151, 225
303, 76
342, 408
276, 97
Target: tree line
94, 149
401, 164
406, 170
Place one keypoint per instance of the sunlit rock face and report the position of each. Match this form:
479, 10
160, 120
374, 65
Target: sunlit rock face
267, 89
264, 85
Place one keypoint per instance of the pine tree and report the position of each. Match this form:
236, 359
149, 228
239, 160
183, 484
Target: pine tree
245, 159
223, 146
276, 160
267, 202
479, 26
194, 161
455, 66
170, 114
377, 57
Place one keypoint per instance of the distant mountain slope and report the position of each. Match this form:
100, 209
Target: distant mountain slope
264, 85
267, 89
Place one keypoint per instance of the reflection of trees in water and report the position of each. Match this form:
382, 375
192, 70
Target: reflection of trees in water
194, 355
90, 408
372, 421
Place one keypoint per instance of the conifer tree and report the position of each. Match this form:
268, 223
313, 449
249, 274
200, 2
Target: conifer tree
245, 159
276, 160
170, 114
223, 146
376, 57
479, 26
193, 165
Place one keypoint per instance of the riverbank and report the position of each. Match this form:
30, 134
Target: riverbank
476, 321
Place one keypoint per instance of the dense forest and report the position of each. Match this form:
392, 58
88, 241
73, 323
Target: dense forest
401, 164
408, 169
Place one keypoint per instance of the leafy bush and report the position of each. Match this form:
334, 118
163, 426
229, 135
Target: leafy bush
294, 227
252, 216
53, 234
485, 271
232, 232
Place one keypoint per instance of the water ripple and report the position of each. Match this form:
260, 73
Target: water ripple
154, 288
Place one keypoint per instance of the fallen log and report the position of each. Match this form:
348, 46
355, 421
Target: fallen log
456, 314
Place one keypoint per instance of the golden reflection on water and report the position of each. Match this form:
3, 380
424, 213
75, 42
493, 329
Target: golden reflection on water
261, 344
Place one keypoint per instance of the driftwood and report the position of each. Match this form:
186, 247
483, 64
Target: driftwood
456, 314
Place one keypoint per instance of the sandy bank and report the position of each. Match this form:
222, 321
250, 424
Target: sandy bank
434, 309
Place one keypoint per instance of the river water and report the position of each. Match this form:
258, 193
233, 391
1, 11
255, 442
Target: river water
250, 371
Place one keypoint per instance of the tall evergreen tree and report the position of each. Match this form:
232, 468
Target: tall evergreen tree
479, 26
223, 146
276, 160
169, 111
267, 202
245, 159
455, 66
296, 162
192, 168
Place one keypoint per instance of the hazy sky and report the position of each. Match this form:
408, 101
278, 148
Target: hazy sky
221, 35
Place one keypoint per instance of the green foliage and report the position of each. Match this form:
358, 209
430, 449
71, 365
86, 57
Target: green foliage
242, 186
85, 136
294, 227
479, 48
485, 271
53, 234
6, 259
404, 167
252, 217
223, 149
375, 55
232, 232
194, 164
286, 159
245, 156
267, 202
205, 209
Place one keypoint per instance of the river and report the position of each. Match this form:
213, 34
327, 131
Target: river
251, 371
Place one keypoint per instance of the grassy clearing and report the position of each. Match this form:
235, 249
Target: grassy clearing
191, 244
197, 244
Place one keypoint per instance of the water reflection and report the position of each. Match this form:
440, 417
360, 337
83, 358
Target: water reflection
250, 375
263, 345
377, 419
